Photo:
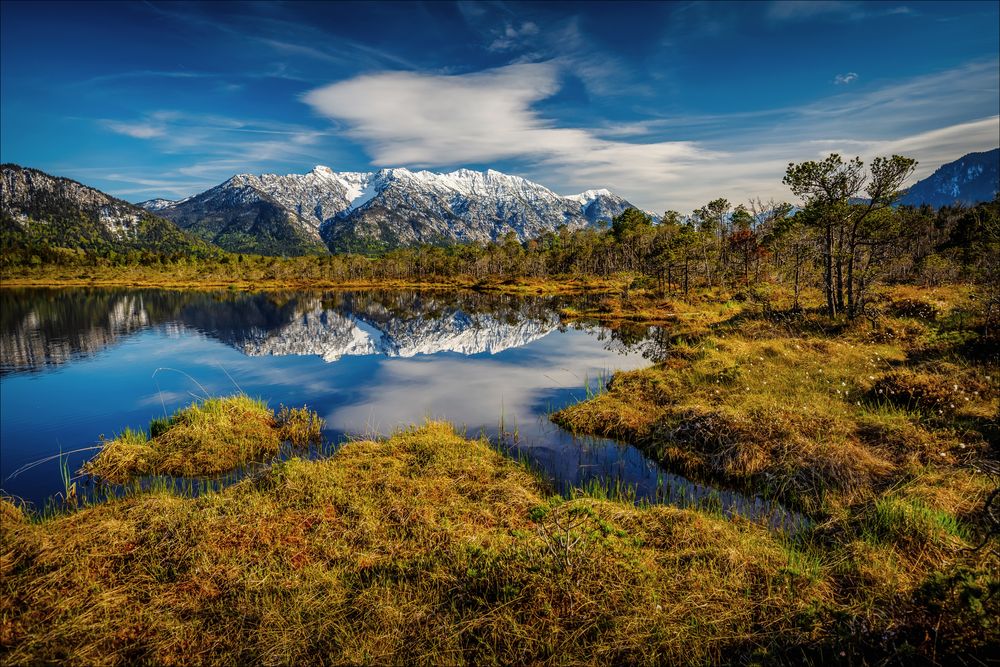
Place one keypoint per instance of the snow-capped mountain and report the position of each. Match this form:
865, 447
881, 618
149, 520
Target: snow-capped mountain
387, 208
57, 211
971, 179
156, 204
268, 215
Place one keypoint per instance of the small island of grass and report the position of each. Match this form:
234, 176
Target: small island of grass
209, 437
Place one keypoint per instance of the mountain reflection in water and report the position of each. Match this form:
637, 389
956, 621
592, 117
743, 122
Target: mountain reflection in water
78, 363
41, 328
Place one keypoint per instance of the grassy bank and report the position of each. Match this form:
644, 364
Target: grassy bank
429, 548
281, 275
426, 547
884, 430
822, 414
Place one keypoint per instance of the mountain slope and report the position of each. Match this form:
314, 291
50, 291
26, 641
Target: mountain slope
240, 215
41, 212
971, 179
400, 207
384, 209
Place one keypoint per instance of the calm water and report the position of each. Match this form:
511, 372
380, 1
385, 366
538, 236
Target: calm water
80, 363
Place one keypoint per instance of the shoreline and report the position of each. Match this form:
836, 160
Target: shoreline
572, 286
869, 430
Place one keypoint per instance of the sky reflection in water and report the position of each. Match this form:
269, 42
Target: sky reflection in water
77, 364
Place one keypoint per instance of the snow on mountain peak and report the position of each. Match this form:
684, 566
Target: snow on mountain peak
321, 170
156, 204
587, 196
396, 206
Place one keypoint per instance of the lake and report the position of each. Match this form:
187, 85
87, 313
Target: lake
76, 364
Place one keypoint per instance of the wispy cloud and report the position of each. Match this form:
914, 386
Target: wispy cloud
430, 120
144, 74
844, 79
135, 130
283, 36
512, 36
796, 10
804, 10
214, 148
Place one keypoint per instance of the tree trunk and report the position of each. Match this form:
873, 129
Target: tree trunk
831, 297
840, 270
798, 267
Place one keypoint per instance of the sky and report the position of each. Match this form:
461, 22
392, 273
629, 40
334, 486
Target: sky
667, 104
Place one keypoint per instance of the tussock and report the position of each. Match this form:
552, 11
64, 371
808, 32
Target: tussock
207, 438
425, 547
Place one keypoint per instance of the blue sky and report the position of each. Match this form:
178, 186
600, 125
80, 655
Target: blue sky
668, 104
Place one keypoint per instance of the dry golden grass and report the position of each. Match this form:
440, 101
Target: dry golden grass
431, 548
207, 438
424, 548
821, 415
279, 276
874, 428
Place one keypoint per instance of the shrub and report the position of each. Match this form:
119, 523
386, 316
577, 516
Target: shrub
908, 307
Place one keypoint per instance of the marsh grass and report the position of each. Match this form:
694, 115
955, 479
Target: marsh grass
428, 547
873, 429
209, 437
822, 416
425, 547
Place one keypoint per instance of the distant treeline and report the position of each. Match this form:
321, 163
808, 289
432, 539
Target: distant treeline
847, 237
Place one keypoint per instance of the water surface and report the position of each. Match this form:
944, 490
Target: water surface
76, 364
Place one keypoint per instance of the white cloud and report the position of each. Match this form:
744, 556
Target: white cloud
426, 120
430, 120
135, 130
843, 79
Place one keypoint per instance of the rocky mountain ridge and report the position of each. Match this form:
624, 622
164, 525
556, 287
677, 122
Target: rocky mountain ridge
971, 179
42, 211
382, 209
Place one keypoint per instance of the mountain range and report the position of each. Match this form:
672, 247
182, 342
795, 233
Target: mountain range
971, 179
326, 211
376, 210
